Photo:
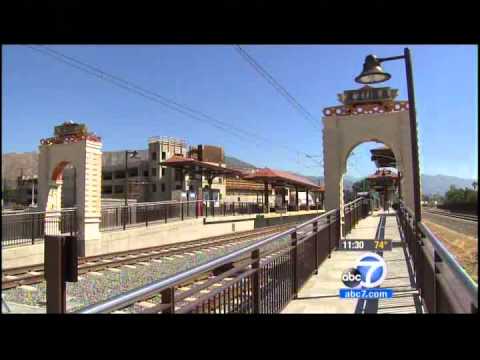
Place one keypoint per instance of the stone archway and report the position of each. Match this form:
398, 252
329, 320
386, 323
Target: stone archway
347, 126
72, 144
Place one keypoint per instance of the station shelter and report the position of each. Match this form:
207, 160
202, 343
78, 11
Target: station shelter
199, 177
385, 183
284, 184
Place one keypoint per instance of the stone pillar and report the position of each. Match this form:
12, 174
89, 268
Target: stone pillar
86, 156
53, 208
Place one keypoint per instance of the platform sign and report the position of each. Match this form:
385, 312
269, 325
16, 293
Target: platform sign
367, 94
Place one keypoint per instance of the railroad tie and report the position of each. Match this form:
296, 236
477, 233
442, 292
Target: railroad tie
119, 312
95, 273
158, 261
144, 263
28, 288
34, 273
146, 304
130, 266
115, 270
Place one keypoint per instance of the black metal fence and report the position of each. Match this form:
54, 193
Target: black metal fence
353, 212
122, 217
232, 208
443, 284
26, 228
265, 277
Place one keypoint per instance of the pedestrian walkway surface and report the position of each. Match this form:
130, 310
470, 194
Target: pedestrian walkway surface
320, 294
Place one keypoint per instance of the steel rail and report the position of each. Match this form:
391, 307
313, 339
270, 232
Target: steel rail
132, 296
98, 261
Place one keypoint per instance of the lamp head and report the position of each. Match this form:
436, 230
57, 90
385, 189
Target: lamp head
133, 154
372, 72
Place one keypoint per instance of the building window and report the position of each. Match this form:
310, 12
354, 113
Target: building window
219, 180
107, 189
154, 155
178, 175
154, 187
119, 189
164, 155
133, 172
154, 171
145, 173
107, 176
163, 171
163, 187
119, 174
178, 187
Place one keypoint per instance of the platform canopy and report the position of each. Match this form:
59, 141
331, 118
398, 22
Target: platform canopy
283, 178
382, 178
200, 167
383, 157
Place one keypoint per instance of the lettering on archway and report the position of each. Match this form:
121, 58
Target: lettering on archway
347, 126
72, 145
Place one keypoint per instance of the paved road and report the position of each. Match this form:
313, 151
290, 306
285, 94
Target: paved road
466, 227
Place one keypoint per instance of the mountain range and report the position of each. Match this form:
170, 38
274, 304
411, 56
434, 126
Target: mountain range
431, 184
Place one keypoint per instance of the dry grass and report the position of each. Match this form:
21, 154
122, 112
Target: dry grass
463, 247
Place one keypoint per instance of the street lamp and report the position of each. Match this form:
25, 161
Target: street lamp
373, 73
131, 155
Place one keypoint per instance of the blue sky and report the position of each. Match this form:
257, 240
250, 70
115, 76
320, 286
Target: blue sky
39, 92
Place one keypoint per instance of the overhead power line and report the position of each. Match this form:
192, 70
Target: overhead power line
280, 89
171, 104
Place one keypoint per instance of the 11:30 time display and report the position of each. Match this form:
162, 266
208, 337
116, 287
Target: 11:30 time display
365, 245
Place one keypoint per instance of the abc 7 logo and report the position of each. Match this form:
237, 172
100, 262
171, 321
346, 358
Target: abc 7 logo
370, 271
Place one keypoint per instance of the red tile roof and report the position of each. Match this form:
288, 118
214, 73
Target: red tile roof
288, 178
180, 161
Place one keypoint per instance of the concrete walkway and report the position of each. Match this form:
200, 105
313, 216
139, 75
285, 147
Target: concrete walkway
320, 293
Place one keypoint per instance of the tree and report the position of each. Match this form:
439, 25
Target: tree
474, 185
360, 186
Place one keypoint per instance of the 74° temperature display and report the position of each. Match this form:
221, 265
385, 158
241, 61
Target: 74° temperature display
365, 245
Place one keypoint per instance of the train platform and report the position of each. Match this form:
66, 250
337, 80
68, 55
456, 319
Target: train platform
320, 294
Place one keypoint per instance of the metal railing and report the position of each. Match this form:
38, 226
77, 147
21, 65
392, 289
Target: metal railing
260, 278
28, 227
353, 212
232, 208
444, 285
121, 217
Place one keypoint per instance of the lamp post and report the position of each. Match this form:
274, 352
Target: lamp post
132, 155
373, 73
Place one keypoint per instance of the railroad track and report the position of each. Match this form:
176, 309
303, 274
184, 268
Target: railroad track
208, 285
33, 274
452, 215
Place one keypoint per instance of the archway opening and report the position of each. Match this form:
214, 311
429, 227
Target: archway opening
63, 189
371, 170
